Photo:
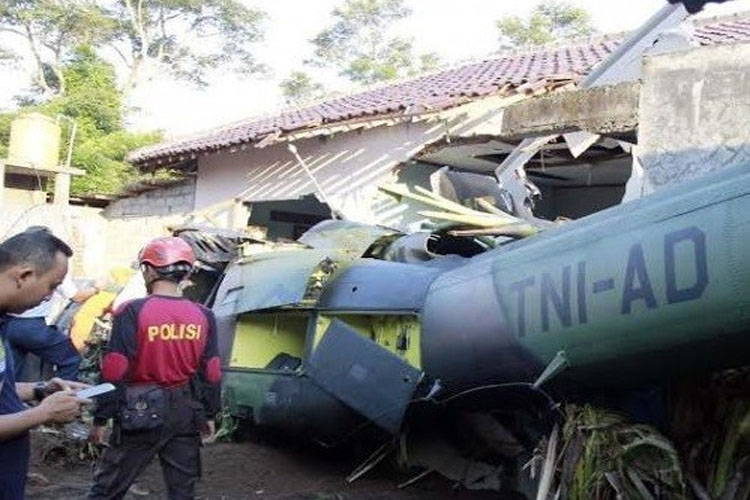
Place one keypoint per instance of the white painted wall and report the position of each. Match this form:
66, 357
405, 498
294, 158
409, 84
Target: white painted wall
81, 227
349, 166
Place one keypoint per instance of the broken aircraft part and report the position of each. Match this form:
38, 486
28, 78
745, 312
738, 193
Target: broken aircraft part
629, 295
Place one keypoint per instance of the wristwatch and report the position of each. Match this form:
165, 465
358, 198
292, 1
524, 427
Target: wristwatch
40, 391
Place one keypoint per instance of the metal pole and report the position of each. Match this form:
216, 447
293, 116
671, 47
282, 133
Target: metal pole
70, 144
293, 149
72, 138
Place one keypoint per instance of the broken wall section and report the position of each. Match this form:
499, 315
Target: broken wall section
694, 113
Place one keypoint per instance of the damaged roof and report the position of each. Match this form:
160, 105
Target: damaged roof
432, 92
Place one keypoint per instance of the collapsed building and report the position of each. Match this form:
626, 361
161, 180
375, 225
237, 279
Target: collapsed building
547, 137
574, 119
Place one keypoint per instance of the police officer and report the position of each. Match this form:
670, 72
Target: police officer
163, 357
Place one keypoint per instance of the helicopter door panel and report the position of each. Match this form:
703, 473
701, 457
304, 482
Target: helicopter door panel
364, 376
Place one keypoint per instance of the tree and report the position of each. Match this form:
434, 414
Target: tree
299, 88
92, 97
104, 159
94, 101
74, 43
50, 30
185, 37
550, 21
358, 45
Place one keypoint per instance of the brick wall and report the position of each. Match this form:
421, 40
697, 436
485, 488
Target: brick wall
172, 200
132, 221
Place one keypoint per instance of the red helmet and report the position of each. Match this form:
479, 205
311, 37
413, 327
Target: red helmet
161, 252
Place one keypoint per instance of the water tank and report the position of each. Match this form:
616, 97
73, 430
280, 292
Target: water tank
35, 140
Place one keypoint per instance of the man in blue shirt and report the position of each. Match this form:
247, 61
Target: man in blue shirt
32, 265
33, 333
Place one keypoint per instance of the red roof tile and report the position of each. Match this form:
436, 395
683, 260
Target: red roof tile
434, 91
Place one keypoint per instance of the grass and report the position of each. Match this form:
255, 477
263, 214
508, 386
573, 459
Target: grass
705, 454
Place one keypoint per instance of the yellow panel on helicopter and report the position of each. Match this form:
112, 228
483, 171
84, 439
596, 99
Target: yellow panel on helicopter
259, 338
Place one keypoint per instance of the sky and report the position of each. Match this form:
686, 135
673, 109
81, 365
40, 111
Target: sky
457, 30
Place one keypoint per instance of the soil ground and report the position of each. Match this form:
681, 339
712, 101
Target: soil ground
256, 469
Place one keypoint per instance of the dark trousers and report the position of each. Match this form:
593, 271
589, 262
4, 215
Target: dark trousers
33, 336
177, 443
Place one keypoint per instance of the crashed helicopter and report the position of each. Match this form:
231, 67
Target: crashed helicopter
361, 327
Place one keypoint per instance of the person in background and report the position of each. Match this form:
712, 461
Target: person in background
33, 332
32, 265
163, 356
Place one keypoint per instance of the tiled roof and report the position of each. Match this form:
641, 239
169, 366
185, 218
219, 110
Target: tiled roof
434, 91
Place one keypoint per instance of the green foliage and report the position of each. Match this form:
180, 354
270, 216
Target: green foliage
428, 61
8, 58
357, 43
299, 88
550, 21
163, 33
711, 427
158, 33
93, 100
5, 119
706, 454
103, 158
95, 347
605, 457
51, 30
92, 97
228, 426
66, 40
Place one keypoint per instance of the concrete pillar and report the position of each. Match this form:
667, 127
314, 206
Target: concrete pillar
694, 109
62, 189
